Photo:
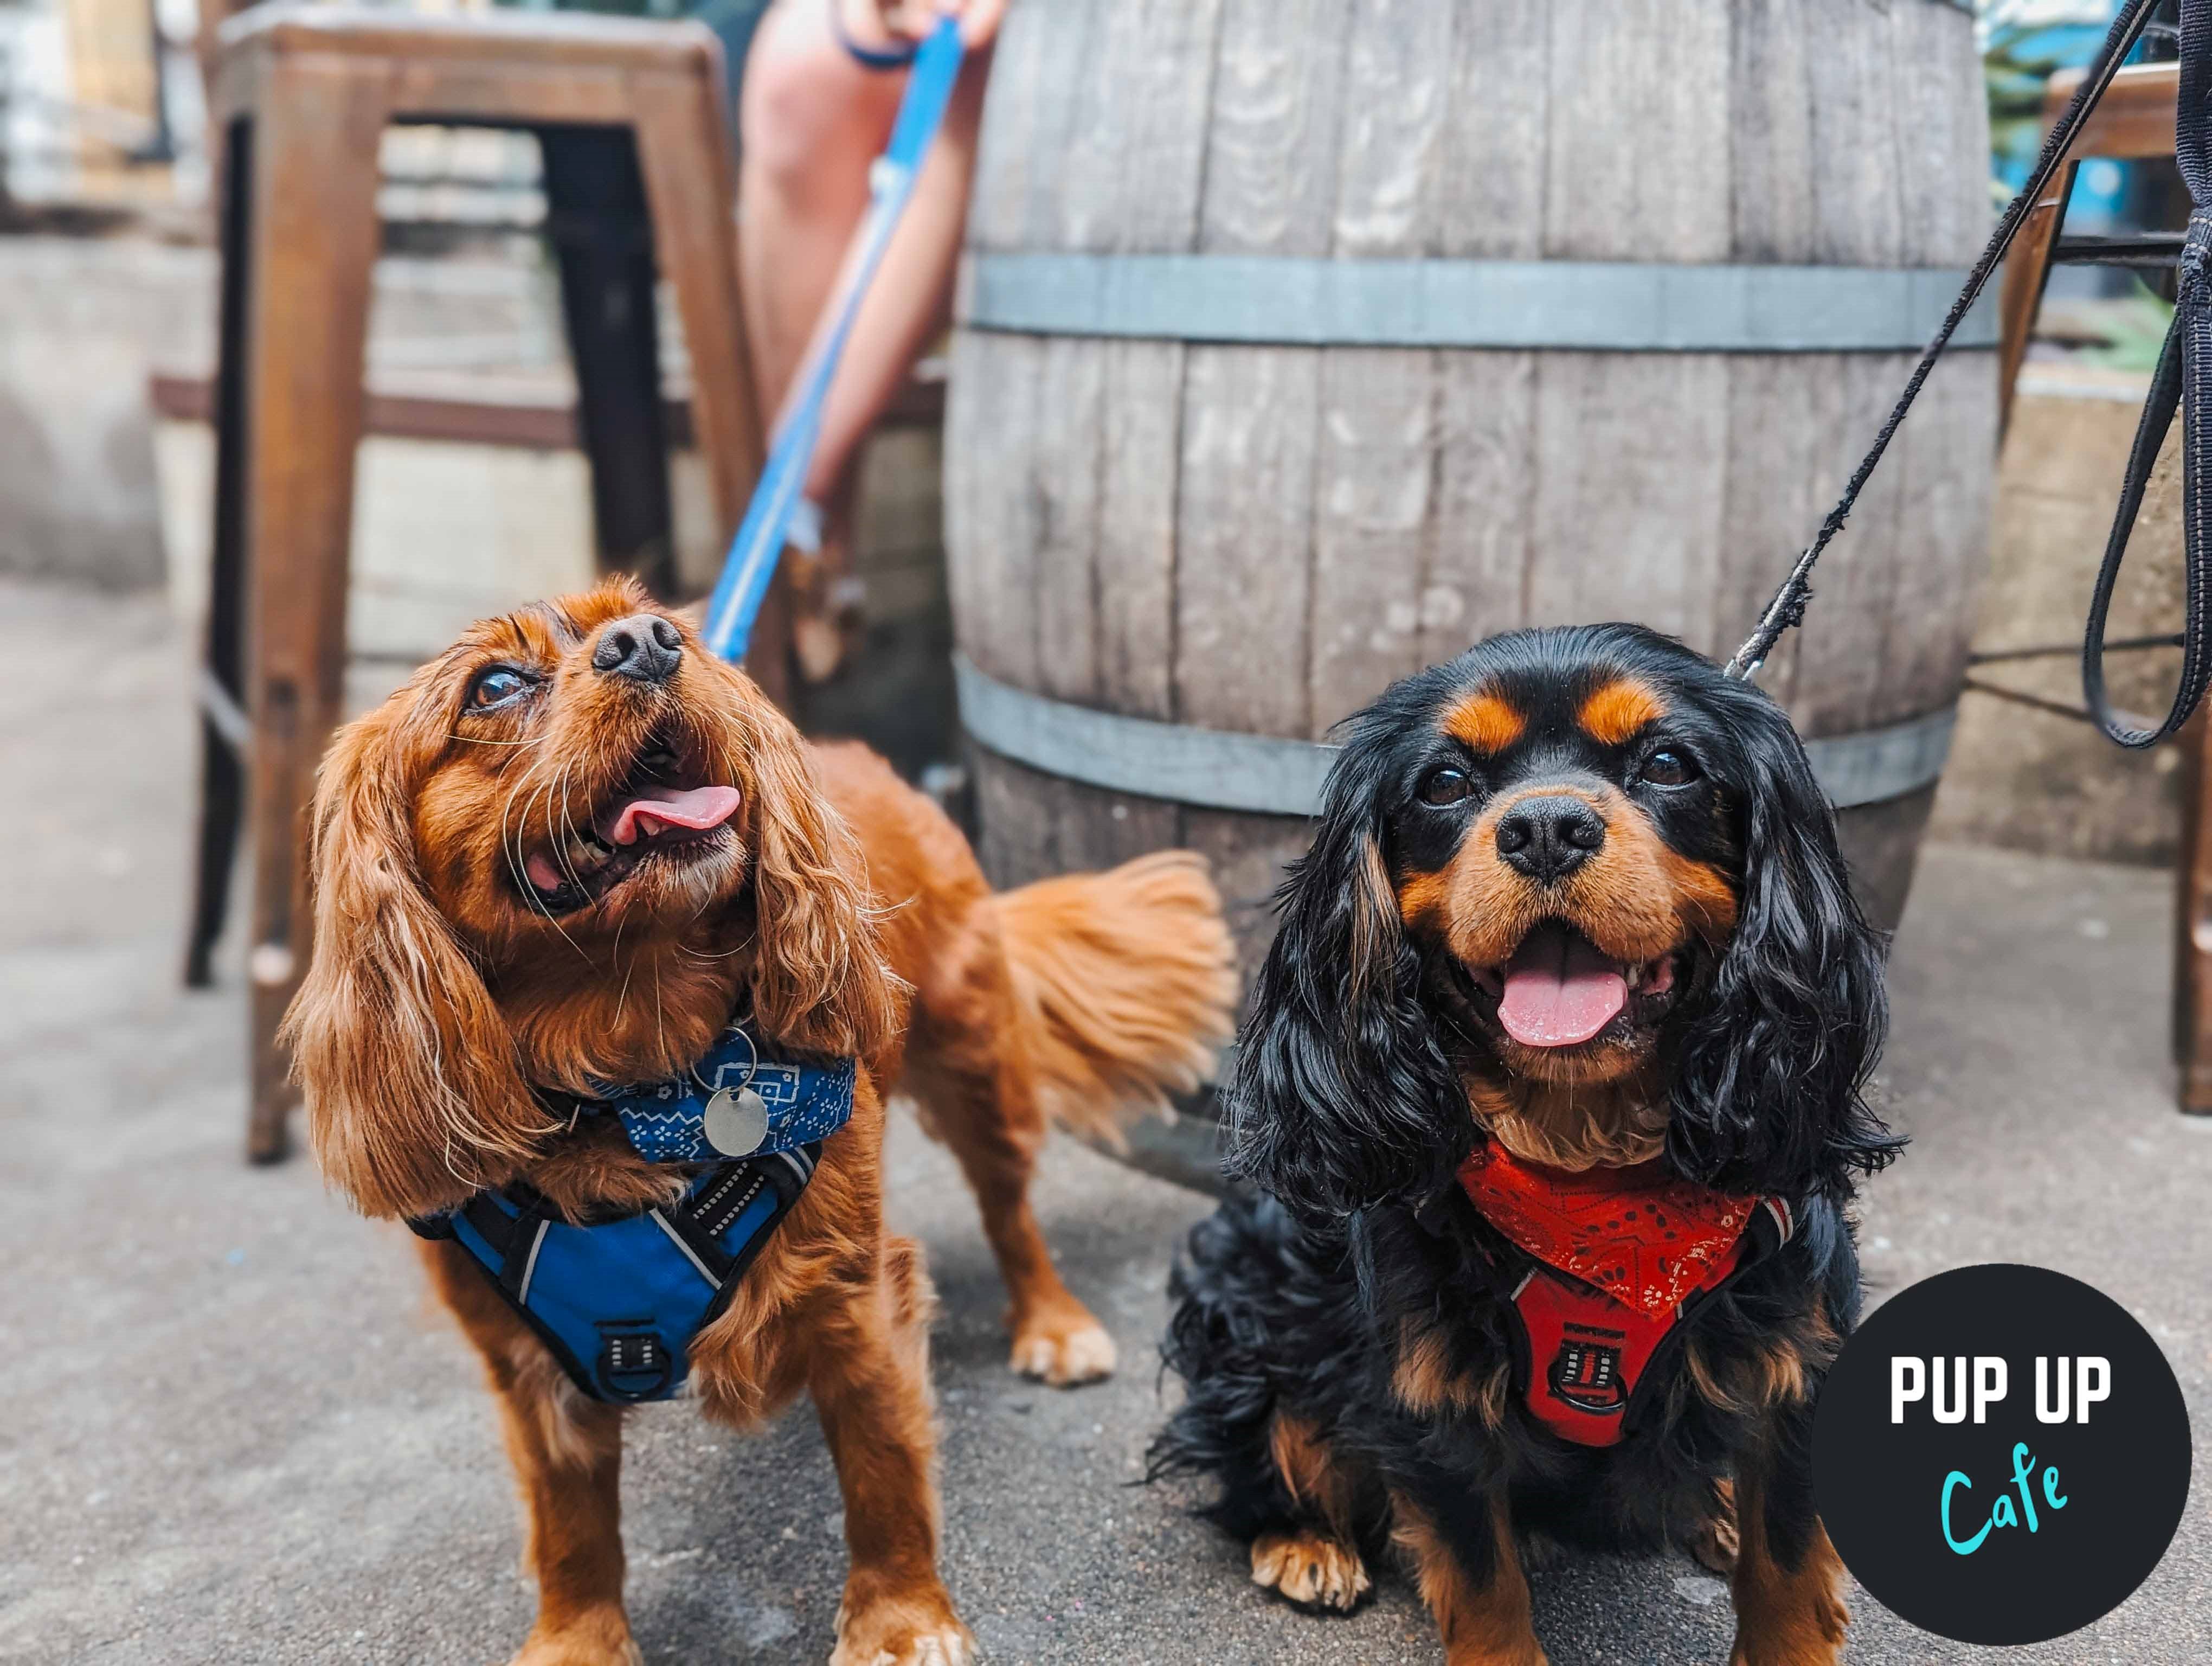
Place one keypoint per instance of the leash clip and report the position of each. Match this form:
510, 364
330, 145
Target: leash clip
2194, 263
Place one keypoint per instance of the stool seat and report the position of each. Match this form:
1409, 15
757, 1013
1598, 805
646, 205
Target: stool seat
505, 38
545, 66
2134, 119
639, 184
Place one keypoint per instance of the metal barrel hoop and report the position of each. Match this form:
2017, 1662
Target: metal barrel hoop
1267, 775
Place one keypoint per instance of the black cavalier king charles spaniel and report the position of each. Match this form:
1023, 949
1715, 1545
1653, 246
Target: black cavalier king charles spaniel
1551, 1089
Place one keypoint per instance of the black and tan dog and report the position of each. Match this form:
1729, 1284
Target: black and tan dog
1552, 1092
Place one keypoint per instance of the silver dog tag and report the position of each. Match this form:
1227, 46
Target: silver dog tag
736, 1122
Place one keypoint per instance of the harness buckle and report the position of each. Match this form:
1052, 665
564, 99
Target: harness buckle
633, 1365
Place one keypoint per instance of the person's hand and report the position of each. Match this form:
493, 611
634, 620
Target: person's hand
979, 19
910, 20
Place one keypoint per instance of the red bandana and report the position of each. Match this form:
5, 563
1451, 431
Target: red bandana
1641, 1235
1631, 1243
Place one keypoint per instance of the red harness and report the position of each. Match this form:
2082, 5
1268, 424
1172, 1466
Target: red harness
1619, 1253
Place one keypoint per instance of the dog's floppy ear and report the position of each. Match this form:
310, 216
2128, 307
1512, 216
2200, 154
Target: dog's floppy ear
1341, 1097
414, 1099
819, 980
1769, 1076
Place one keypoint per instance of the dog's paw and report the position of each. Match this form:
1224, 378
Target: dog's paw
1807, 1628
590, 1639
1810, 1649
1063, 1349
945, 1645
913, 1632
1311, 1570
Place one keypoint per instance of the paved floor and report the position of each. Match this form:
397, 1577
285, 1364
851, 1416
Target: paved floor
235, 1432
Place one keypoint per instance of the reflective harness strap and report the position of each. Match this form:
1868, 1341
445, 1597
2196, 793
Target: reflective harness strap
517, 1237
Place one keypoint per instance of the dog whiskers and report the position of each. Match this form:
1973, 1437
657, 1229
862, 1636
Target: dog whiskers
513, 852
567, 824
659, 1034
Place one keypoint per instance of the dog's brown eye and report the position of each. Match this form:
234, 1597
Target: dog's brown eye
1446, 785
1667, 769
495, 687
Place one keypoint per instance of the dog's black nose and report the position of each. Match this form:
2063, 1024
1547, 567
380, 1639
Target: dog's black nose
644, 648
1548, 838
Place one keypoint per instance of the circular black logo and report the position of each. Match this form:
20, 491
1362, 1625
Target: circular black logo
2001, 1455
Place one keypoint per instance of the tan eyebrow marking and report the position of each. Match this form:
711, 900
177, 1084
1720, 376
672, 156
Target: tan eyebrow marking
1618, 710
1484, 720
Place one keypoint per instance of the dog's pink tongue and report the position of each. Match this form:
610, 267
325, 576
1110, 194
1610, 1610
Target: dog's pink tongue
1560, 990
659, 807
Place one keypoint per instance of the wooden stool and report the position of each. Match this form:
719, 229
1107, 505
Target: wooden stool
638, 164
2135, 121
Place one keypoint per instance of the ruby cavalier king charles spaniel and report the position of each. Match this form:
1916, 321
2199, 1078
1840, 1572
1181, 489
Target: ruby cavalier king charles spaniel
576, 852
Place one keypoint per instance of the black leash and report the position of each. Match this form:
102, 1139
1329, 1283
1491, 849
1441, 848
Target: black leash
2183, 382
1787, 608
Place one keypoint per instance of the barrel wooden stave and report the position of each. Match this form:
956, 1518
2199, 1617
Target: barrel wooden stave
1260, 538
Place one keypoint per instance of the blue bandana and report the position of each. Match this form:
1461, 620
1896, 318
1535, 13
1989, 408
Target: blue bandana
728, 1095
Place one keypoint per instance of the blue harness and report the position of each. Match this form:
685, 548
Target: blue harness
619, 1301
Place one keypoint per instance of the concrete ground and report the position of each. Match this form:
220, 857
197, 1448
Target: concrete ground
234, 1432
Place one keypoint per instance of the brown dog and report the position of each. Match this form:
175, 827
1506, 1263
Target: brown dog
502, 916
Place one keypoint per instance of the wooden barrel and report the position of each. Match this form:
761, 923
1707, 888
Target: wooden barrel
1304, 342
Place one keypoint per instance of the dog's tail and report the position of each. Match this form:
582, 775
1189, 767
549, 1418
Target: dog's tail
1125, 983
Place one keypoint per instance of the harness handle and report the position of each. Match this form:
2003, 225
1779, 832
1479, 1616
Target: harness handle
1787, 608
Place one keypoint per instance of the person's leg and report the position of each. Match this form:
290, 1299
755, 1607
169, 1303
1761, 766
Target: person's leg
733, 22
911, 300
813, 120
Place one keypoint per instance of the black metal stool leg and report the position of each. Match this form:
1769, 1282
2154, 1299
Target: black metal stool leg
223, 733
602, 231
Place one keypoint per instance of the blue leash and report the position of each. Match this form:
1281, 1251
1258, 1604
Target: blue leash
759, 546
